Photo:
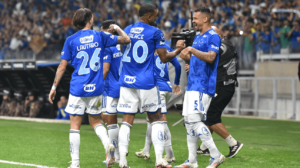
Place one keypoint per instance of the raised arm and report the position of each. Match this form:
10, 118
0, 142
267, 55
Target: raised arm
59, 73
166, 56
123, 38
209, 56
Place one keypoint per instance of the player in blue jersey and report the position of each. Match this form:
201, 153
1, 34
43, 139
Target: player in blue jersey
111, 71
203, 58
85, 50
139, 92
165, 87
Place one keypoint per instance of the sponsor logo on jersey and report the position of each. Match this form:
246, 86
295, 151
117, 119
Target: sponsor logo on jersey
204, 36
74, 106
212, 32
87, 46
93, 107
124, 106
162, 43
137, 30
89, 87
149, 105
105, 57
118, 54
112, 36
215, 47
62, 53
114, 105
160, 136
130, 79
87, 39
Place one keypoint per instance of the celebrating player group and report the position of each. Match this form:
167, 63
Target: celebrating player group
126, 72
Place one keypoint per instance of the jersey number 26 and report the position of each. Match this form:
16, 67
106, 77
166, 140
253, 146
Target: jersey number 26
94, 62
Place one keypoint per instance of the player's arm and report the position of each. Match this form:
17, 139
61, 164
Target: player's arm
106, 62
176, 88
59, 73
123, 38
166, 56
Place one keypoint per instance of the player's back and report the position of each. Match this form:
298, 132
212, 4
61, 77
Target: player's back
113, 55
85, 51
138, 58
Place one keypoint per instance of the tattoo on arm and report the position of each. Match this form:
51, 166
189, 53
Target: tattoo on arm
59, 73
209, 56
123, 37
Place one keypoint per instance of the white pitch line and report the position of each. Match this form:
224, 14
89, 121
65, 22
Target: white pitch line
24, 164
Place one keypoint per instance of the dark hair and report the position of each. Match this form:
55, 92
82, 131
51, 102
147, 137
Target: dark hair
250, 20
203, 10
146, 8
81, 17
107, 23
154, 24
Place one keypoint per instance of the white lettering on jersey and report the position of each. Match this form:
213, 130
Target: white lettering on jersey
118, 54
87, 46
89, 87
215, 47
136, 36
212, 32
87, 39
105, 57
162, 43
130, 79
137, 30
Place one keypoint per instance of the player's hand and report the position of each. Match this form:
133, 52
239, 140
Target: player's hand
187, 68
52, 95
112, 28
185, 55
180, 44
176, 90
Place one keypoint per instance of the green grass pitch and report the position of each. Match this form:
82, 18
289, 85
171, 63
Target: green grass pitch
267, 144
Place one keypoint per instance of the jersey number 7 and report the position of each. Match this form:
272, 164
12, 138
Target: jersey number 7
94, 62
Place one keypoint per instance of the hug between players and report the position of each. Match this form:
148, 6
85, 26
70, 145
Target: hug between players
126, 71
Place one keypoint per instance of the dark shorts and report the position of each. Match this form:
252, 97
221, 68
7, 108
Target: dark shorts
218, 104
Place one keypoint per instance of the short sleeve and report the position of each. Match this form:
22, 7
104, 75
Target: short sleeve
159, 39
108, 39
66, 51
169, 49
214, 43
107, 55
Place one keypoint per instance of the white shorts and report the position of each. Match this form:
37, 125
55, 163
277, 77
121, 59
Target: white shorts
195, 102
133, 100
79, 105
163, 99
109, 105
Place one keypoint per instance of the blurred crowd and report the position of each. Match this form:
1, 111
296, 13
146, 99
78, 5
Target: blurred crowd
41, 26
28, 104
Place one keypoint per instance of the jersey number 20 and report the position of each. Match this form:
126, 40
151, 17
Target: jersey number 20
94, 63
138, 59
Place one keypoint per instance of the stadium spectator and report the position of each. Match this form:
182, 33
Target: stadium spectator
284, 39
61, 104
294, 34
20, 98
266, 37
275, 36
32, 105
8, 103
249, 44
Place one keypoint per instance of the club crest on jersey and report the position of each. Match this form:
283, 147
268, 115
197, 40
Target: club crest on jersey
160, 136
89, 87
130, 79
87, 39
137, 30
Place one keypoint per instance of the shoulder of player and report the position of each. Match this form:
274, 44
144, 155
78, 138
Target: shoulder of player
72, 37
127, 28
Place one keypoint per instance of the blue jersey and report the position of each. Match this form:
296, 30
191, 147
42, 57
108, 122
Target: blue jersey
162, 72
202, 75
85, 49
113, 56
138, 58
